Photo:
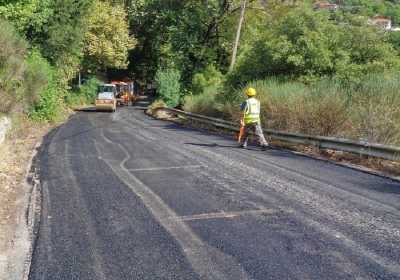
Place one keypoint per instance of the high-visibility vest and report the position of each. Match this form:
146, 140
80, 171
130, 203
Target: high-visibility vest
252, 112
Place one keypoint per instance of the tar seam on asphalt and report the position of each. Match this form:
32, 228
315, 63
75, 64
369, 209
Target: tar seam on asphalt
165, 168
224, 215
347, 241
208, 262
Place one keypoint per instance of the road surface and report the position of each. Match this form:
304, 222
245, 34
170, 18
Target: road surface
129, 197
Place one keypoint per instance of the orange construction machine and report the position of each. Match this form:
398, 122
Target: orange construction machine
125, 92
122, 93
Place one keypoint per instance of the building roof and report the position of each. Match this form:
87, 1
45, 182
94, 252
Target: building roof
325, 5
381, 21
380, 17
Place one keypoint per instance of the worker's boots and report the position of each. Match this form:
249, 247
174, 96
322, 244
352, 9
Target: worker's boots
243, 145
264, 147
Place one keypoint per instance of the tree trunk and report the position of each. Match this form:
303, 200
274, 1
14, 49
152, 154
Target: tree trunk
237, 39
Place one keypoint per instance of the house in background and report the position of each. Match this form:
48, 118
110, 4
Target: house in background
381, 21
325, 6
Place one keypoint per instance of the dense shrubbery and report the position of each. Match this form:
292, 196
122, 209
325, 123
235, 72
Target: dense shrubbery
47, 106
209, 80
86, 94
12, 66
368, 110
204, 103
205, 87
27, 81
309, 45
168, 86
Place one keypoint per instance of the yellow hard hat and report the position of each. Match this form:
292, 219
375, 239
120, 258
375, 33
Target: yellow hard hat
251, 92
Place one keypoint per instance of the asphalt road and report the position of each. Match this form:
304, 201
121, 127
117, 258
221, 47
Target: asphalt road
129, 197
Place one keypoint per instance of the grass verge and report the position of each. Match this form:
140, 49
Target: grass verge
367, 111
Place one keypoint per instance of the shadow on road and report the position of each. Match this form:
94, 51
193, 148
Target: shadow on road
249, 148
93, 109
212, 145
385, 186
86, 109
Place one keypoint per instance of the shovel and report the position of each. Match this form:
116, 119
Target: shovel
241, 133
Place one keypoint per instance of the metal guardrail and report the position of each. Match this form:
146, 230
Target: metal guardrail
338, 144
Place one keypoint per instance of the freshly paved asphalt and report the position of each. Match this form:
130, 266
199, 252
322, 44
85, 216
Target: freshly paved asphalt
129, 197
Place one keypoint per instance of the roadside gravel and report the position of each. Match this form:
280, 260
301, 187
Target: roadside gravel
16, 153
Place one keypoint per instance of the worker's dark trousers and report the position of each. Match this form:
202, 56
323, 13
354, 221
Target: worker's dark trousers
257, 131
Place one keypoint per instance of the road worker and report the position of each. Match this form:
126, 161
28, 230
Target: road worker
250, 119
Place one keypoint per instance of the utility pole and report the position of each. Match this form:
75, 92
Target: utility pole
239, 29
79, 78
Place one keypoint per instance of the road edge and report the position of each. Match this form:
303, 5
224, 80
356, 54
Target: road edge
29, 208
34, 207
360, 168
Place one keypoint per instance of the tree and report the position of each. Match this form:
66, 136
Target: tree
187, 35
30, 17
107, 40
309, 44
62, 41
56, 27
168, 86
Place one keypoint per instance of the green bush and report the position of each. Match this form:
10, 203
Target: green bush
209, 80
89, 89
374, 111
168, 86
27, 81
204, 103
35, 77
84, 95
42, 77
12, 66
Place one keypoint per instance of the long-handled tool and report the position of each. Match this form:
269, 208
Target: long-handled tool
241, 133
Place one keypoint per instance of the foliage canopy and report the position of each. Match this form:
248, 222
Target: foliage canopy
107, 40
308, 44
